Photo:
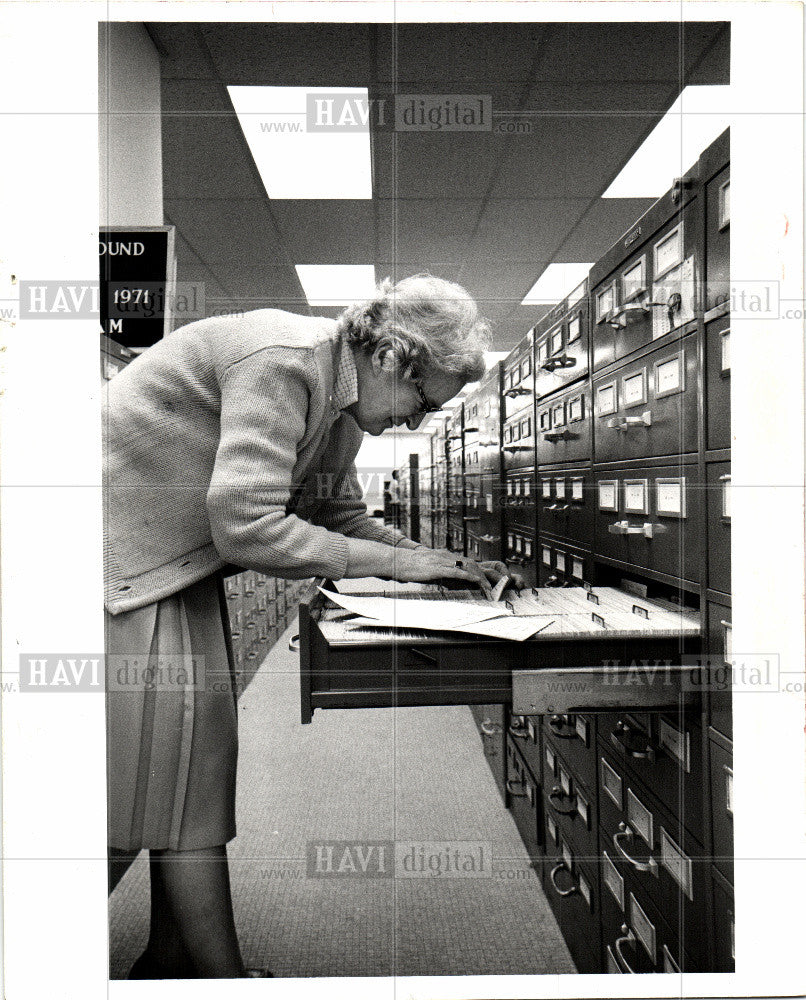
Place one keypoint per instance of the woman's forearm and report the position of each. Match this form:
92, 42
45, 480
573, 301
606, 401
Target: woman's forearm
368, 558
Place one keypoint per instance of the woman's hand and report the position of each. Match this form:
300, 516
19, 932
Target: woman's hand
495, 570
425, 565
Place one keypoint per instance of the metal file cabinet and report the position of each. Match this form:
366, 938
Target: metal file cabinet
571, 884
718, 505
635, 939
519, 498
490, 722
719, 648
717, 383
570, 803
525, 731
664, 751
652, 517
649, 406
656, 856
724, 924
644, 288
574, 736
561, 343
560, 564
518, 378
564, 426
715, 180
523, 796
722, 806
566, 501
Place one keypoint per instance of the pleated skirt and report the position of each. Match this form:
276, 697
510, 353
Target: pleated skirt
172, 735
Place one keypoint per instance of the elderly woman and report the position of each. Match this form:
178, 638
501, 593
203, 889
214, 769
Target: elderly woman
231, 443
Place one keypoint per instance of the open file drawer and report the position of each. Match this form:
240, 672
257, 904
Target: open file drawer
593, 638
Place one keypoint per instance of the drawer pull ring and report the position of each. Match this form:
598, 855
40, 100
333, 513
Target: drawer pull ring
561, 361
632, 743
293, 643
553, 876
518, 732
512, 785
628, 938
490, 728
624, 832
557, 794
560, 729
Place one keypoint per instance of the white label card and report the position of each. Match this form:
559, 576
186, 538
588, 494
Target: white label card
634, 388
560, 563
577, 569
527, 488
546, 487
642, 926
565, 781
607, 496
606, 399
576, 408
725, 335
551, 826
668, 252
676, 863
550, 759
576, 489
676, 741
669, 376
584, 889
574, 329
729, 790
559, 488
670, 497
518, 544
604, 303
639, 817
635, 496
568, 858
724, 205
527, 549
613, 881
556, 340
633, 281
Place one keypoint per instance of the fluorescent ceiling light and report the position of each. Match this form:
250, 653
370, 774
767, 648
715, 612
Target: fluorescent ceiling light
294, 162
336, 284
696, 118
555, 283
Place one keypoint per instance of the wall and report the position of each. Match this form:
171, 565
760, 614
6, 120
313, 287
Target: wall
129, 127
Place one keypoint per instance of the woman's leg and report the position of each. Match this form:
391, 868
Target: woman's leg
197, 924
165, 956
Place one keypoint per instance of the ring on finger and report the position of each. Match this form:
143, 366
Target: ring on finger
459, 563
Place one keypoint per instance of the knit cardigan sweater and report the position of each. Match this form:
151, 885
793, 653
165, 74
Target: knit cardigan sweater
223, 445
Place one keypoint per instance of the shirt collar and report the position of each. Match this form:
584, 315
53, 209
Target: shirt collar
345, 387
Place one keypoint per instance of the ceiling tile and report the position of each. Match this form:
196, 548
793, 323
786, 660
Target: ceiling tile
426, 230
435, 165
571, 156
524, 229
206, 156
497, 287
228, 231
205, 97
327, 231
455, 52
291, 55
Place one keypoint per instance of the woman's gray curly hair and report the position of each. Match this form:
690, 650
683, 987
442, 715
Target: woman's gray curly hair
427, 326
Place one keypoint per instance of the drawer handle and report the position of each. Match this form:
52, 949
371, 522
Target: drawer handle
518, 732
519, 390
624, 528
553, 876
624, 832
645, 420
293, 643
631, 743
628, 938
490, 728
511, 785
561, 361
561, 729
557, 793
565, 435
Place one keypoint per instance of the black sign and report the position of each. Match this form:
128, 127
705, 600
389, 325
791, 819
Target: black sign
135, 290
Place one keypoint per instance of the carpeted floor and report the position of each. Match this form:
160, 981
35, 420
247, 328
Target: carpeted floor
408, 775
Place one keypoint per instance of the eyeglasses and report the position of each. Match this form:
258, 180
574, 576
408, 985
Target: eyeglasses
425, 405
